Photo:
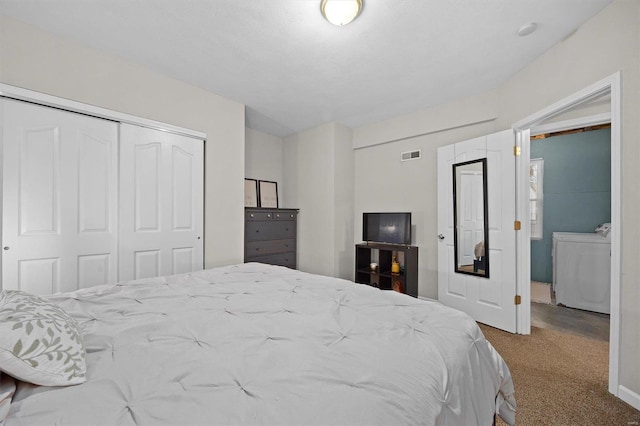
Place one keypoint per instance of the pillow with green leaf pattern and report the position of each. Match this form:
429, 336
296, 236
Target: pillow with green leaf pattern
39, 342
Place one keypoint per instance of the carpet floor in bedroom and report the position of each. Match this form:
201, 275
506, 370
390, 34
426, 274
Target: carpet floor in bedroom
560, 379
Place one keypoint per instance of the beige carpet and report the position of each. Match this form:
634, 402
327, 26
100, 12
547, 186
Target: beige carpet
560, 379
540, 292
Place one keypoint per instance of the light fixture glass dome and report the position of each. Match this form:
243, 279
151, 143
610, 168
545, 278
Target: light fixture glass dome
340, 12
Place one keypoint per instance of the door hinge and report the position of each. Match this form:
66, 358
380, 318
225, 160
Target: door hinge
516, 151
517, 225
518, 299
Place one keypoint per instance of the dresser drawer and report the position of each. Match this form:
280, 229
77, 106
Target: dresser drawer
260, 214
270, 230
282, 259
261, 248
284, 216
254, 215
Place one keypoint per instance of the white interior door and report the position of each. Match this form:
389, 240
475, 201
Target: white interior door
488, 300
161, 203
58, 199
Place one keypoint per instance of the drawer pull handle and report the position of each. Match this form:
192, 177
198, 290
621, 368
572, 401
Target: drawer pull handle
277, 215
251, 215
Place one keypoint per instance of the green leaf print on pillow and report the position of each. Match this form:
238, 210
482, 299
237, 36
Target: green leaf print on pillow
39, 342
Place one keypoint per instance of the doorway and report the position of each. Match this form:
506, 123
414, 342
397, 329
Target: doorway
570, 177
556, 116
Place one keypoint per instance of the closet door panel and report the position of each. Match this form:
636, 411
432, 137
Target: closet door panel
182, 259
147, 263
39, 276
95, 269
59, 198
182, 164
95, 185
146, 175
161, 203
38, 168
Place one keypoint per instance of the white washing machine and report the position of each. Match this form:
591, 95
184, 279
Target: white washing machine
582, 270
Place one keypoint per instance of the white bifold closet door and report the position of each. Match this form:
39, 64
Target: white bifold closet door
88, 201
59, 195
161, 203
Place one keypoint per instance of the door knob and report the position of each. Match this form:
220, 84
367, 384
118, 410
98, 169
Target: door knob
440, 237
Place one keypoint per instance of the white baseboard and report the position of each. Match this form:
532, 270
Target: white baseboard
426, 298
629, 396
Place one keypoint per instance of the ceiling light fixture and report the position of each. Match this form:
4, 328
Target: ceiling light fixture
340, 12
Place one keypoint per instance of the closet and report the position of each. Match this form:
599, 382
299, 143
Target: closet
88, 200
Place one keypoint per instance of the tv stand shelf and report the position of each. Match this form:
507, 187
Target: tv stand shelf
407, 256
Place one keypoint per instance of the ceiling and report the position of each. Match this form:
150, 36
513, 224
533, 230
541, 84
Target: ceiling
293, 70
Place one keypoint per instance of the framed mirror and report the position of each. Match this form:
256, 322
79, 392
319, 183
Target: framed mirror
470, 218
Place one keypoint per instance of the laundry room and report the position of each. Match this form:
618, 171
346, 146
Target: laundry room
570, 181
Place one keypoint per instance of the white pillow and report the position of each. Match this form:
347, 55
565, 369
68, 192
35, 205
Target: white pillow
39, 342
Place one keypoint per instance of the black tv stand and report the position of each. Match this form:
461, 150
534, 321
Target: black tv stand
406, 281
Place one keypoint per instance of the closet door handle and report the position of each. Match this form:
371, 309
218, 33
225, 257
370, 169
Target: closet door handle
440, 237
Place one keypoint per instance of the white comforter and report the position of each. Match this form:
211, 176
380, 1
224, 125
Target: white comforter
258, 344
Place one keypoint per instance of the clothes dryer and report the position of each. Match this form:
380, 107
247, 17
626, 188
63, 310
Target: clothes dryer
582, 270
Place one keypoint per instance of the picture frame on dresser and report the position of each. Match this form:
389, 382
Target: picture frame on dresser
251, 192
268, 194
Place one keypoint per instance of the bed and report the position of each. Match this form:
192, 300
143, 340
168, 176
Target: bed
260, 344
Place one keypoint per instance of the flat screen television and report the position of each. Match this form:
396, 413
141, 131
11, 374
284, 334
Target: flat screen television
392, 228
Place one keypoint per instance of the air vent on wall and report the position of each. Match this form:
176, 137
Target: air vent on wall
410, 155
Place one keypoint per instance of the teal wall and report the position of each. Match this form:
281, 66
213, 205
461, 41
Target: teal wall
577, 190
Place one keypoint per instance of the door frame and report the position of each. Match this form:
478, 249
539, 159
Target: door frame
522, 129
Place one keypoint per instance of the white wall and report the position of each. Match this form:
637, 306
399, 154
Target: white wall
263, 159
607, 43
308, 161
40, 61
344, 251
318, 179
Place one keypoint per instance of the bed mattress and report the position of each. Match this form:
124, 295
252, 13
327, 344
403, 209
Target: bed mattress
259, 344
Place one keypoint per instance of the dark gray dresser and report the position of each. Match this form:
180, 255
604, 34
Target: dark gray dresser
270, 236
